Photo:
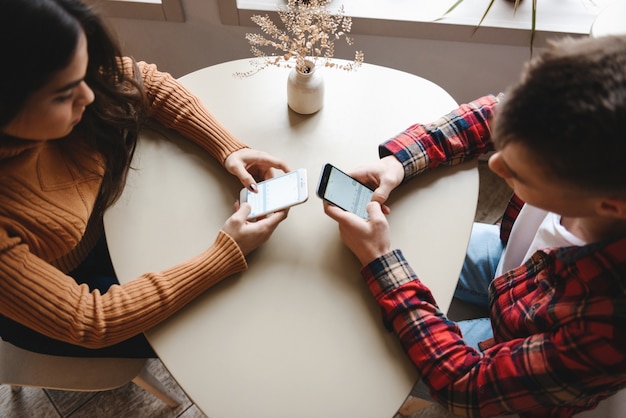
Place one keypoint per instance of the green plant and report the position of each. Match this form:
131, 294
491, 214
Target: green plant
515, 6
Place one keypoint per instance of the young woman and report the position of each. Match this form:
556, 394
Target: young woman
70, 109
553, 274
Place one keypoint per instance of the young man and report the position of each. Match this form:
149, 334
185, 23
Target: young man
554, 276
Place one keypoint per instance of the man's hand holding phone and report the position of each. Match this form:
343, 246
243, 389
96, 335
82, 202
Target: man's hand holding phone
367, 239
384, 175
363, 226
343, 191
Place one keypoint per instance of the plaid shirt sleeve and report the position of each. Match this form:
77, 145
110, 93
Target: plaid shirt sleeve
461, 135
433, 342
559, 346
513, 209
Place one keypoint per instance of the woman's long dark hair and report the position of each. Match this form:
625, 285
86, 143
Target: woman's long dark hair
38, 38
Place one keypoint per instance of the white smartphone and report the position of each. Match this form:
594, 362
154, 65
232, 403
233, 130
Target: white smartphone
277, 193
343, 191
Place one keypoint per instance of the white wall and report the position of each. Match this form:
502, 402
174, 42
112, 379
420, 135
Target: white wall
465, 69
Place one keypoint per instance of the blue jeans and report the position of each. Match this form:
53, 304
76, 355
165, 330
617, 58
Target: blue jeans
481, 260
479, 268
97, 272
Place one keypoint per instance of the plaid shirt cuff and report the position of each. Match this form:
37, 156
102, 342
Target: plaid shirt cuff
387, 273
461, 135
408, 150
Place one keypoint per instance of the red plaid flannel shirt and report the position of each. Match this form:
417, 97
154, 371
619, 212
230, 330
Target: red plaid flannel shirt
559, 320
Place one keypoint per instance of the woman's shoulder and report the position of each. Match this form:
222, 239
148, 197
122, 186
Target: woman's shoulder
130, 65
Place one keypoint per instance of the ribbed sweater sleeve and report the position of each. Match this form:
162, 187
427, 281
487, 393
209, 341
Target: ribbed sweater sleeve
41, 297
45, 204
177, 108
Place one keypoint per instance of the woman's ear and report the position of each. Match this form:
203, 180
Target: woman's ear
614, 207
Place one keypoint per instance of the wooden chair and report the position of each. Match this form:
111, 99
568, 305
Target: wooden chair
19, 367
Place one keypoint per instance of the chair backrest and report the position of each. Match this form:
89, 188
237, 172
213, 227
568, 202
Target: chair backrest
613, 407
25, 368
19, 367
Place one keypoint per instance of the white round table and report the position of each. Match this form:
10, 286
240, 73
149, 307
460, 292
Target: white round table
297, 334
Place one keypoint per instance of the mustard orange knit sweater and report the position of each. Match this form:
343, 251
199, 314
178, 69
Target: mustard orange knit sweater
45, 204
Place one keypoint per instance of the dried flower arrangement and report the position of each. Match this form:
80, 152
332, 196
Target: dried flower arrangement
309, 34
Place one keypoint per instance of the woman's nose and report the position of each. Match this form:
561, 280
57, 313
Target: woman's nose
87, 95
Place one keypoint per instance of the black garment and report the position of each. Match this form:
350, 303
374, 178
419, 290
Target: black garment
97, 272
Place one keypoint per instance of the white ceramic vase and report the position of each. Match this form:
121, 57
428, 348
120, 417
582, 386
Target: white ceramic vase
305, 91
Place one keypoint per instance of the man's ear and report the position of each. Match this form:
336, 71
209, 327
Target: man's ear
614, 207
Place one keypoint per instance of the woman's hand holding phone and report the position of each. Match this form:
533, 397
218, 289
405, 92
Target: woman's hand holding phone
268, 206
250, 235
250, 165
276, 194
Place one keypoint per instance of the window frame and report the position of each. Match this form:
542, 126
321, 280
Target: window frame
229, 12
165, 10
501, 27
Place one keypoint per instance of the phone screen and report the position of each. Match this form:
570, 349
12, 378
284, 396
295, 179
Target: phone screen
342, 190
275, 194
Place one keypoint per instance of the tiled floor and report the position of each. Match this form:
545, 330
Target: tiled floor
130, 401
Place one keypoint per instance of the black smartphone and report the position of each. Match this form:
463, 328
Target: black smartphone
343, 191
